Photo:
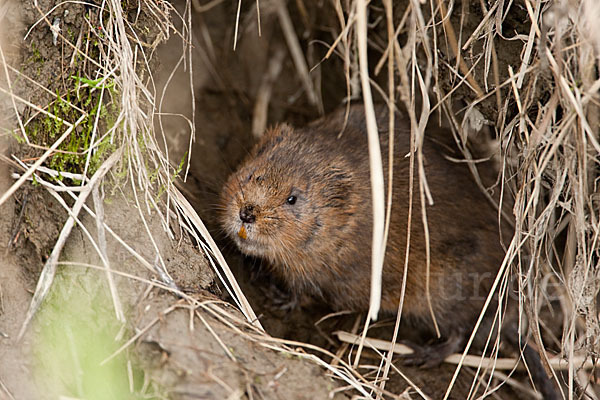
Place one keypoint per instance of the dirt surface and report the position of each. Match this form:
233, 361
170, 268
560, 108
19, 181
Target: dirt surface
14, 300
175, 355
189, 357
180, 357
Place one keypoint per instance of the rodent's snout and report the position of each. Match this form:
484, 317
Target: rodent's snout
247, 213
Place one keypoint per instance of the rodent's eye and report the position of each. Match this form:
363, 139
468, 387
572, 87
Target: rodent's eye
291, 200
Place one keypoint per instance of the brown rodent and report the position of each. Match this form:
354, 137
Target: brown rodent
302, 201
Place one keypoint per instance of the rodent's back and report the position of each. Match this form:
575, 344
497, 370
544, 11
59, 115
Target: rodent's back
302, 200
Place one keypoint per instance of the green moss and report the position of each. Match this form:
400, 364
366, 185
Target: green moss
70, 35
36, 58
16, 134
101, 113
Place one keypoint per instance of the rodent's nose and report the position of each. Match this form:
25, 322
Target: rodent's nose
247, 214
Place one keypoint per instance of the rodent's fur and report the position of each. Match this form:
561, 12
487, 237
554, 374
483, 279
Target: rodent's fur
322, 243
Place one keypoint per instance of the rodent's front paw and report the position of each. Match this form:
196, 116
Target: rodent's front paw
284, 300
431, 355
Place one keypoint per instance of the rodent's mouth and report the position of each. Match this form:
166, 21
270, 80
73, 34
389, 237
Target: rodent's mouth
245, 237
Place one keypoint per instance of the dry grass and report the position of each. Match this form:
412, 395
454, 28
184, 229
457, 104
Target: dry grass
546, 118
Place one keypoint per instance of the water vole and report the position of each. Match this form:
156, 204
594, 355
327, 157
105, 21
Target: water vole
302, 201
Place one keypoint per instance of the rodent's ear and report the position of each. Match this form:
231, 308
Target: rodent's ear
337, 188
272, 137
